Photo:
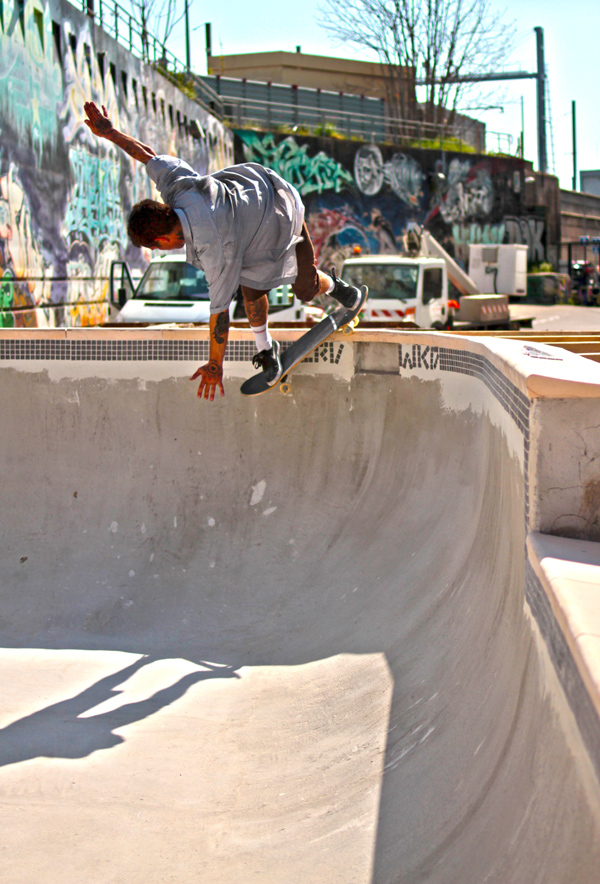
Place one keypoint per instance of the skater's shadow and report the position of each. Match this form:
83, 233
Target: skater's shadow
59, 731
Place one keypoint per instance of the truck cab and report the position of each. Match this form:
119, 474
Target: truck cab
171, 290
413, 289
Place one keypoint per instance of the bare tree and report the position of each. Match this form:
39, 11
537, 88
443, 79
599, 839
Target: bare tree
156, 19
432, 40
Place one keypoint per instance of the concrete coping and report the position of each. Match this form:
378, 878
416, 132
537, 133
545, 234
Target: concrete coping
569, 571
539, 370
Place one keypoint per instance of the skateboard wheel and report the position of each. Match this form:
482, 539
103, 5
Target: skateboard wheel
285, 387
348, 329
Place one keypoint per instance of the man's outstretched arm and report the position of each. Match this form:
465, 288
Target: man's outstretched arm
101, 125
211, 375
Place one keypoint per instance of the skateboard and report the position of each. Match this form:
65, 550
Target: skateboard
341, 318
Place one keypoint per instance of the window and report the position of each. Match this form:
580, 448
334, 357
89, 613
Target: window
124, 84
173, 281
57, 42
432, 284
38, 19
385, 281
88, 57
101, 58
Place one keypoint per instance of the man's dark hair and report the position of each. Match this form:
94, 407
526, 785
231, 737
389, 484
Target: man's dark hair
149, 220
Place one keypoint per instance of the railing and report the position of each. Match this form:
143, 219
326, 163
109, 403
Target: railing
120, 24
257, 113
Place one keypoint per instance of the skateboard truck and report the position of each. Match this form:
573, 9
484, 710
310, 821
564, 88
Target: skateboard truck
348, 329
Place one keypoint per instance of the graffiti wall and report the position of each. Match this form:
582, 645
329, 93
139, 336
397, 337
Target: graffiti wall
64, 194
369, 196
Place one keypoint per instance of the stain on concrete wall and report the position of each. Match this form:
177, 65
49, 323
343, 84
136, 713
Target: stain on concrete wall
64, 194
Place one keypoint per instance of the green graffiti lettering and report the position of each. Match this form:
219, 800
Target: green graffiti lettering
30, 76
95, 206
290, 160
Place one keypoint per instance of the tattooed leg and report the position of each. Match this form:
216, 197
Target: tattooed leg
256, 304
257, 308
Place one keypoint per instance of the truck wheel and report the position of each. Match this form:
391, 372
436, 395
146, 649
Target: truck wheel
438, 326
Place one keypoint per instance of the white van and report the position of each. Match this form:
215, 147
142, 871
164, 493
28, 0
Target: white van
171, 290
414, 289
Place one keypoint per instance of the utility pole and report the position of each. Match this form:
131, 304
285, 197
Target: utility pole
539, 76
522, 130
208, 35
188, 61
541, 100
574, 126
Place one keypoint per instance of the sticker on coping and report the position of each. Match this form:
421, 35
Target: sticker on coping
539, 354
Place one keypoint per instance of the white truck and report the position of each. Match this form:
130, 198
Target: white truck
171, 290
414, 287
403, 289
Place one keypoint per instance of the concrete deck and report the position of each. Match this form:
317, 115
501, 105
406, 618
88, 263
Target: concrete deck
290, 638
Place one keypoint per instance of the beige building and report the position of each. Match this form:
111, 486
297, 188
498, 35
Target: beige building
371, 79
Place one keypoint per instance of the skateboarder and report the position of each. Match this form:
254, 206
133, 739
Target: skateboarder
243, 226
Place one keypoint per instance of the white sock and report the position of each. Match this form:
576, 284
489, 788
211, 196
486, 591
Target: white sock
331, 285
262, 338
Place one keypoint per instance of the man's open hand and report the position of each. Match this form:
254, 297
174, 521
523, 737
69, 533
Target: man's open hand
99, 123
211, 377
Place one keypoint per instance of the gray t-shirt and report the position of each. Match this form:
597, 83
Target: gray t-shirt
241, 224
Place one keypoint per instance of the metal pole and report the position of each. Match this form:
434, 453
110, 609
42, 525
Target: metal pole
574, 124
541, 100
522, 130
207, 31
188, 63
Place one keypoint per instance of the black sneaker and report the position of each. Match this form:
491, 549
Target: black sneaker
270, 363
348, 295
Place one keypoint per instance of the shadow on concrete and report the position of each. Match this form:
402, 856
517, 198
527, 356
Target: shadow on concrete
60, 731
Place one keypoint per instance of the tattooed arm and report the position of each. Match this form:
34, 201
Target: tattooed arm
211, 375
101, 125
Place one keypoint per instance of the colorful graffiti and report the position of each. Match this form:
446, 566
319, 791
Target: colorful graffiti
467, 193
94, 209
30, 76
25, 273
529, 231
402, 173
461, 199
315, 174
65, 195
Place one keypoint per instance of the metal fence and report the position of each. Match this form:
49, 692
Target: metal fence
252, 103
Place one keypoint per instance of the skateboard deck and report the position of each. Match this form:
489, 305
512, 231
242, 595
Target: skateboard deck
304, 346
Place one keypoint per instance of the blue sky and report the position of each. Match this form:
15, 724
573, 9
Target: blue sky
571, 32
